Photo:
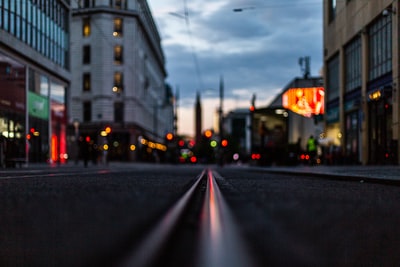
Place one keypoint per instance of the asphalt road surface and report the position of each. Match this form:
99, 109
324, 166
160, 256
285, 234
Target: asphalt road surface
97, 216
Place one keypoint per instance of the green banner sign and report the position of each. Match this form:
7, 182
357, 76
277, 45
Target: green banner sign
38, 106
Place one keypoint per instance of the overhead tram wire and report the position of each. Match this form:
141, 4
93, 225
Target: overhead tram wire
281, 5
194, 54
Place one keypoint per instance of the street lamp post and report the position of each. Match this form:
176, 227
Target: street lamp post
221, 121
76, 127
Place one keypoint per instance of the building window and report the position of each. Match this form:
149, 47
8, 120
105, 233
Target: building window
87, 3
87, 111
333, 78
332, 9
119, 112
86, 27
118, 4
353, 65
118, 27
43, 25
86, 82
118, 82
380, 47
118, 58
86, 54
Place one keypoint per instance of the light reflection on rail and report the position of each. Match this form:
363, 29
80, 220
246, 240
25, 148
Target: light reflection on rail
221, 244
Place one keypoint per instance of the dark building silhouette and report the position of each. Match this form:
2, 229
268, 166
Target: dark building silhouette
198, 118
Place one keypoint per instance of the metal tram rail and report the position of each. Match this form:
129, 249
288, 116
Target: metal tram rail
218, 241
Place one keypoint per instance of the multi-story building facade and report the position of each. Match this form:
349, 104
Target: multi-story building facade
361, 70
118, 79
34, 80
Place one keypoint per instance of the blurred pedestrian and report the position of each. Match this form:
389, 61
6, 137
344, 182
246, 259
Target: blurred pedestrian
312, 149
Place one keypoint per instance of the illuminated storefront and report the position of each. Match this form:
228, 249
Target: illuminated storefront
34, 78
32, 115
12, 110
47, 118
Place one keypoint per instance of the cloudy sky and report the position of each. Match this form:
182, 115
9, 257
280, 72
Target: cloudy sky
256, 51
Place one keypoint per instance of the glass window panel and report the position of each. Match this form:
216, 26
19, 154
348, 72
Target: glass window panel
333, 78
118, 4
34, 16
6, 24
118, 27
18, 7
12, 6
118, 82
86, 82
44, 85
1, 17
12, 23
118, 112
86, 54
18, 27
118, 52
86, 27
57, 92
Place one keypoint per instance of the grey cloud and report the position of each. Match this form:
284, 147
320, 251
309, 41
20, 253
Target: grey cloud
285, 34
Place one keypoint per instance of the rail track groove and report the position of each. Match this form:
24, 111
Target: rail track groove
218, 242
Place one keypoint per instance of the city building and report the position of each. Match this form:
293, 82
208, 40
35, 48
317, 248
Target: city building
119, 100
34, 80
361, 71
237, 124
298, 100
273, 133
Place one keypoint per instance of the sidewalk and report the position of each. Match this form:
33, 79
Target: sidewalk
388, 174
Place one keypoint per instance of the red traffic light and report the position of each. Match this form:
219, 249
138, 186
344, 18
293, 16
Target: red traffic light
224, 143
252, 108
87, 139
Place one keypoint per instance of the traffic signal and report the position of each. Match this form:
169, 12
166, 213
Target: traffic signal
208, 134
169, 136
224, 143
213, 143
181, 143
107, 130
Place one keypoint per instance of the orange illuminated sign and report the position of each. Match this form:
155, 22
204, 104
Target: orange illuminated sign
304, 101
